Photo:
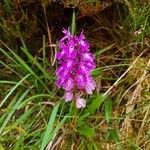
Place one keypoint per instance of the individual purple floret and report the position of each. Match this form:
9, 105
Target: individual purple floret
75, 65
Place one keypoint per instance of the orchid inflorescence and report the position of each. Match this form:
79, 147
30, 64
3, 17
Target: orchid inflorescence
76, 63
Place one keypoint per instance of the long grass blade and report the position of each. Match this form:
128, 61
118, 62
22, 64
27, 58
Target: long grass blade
33, 98
28, 69
24, 116
13, 110
13, 89
49, 128
32, 59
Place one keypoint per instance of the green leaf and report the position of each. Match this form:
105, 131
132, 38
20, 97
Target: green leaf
7, 4
8, 109
7, 82
12, 69
55, 131
49, 127
32, 59
103, 50
82, 145
89, 146
7, 55
26, 67
96, 72
13, 89
33, 98
24, 116
86, 130
82, 120
14, 109
19, 142
96, 147
1, 147
108, 110
96, 102
113, 135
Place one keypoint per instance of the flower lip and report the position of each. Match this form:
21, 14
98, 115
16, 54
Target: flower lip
69, 84
80, 102
68, 96
80, 81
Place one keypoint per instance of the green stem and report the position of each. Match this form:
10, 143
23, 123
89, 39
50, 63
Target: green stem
73, 23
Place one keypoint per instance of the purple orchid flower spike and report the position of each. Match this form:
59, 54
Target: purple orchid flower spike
75, 65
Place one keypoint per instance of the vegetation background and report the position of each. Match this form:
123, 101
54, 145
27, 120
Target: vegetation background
33, 114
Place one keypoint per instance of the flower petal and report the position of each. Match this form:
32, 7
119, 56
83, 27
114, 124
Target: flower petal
69, 84
71, 52
68, 96
69, 64
59, 70
80, 103
83, 68
90, 85
80, 81
88, 57
59, 82
60, 55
